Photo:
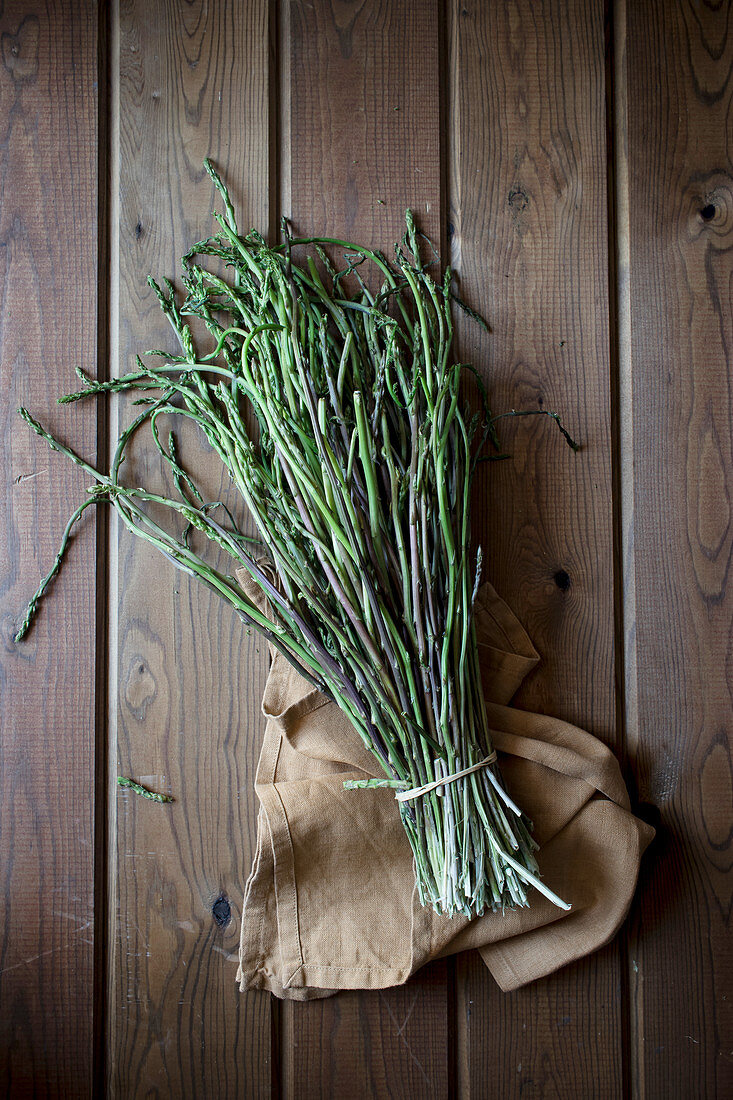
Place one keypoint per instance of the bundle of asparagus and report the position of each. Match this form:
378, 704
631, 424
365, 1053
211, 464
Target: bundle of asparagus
357, 476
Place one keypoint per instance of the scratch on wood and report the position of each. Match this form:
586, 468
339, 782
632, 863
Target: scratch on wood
401, 1036
28, 477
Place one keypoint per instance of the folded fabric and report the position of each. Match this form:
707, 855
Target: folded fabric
331, 901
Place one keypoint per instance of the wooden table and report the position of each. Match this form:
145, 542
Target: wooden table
573, 160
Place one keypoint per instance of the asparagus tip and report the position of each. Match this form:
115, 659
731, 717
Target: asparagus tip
154, 796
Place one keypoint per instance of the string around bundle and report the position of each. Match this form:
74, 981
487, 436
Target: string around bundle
415, 792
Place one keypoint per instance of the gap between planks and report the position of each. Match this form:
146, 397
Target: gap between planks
108, 1003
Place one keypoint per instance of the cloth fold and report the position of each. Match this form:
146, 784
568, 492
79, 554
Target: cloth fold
331, 901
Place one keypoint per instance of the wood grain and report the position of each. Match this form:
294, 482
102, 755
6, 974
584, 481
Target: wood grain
48, 323
678, 103
385, 1043
360, 96
490, 120
187, 679
528, 213
364, 118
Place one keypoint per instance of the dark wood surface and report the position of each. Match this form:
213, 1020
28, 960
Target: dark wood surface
680, 230
528, 212
49, 277
573, 161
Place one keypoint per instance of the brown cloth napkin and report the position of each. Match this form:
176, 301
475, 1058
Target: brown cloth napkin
331, 901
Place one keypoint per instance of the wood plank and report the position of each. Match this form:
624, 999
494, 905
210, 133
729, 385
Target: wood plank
528, 213
677, 97
364, 113
48, 284
187, 680
361, 133
383, 1043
